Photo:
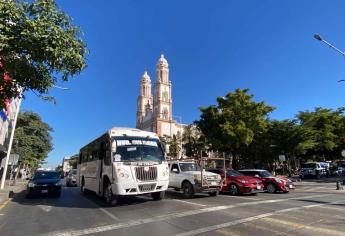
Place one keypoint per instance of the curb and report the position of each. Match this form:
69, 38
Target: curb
7, 194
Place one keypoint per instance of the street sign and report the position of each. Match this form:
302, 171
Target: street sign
13, 160
282, 158
343, 153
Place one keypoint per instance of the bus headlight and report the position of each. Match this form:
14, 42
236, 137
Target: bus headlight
122, 173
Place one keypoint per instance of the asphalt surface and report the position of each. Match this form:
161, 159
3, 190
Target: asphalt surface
312, 209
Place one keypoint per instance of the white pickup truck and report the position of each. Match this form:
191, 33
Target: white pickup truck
186, 176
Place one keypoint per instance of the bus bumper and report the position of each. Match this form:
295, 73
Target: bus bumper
139, 188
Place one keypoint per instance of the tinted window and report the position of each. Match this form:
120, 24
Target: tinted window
234, 173
246, 173
189, 167
309, 165
265, 174
47, 175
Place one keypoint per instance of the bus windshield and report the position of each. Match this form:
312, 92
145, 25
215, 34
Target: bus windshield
137, 149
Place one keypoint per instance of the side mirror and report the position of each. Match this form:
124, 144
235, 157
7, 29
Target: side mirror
256, 176
175, 170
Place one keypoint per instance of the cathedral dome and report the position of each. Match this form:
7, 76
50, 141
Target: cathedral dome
162, 61
145, 77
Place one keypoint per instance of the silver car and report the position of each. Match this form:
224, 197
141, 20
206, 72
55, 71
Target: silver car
71, 179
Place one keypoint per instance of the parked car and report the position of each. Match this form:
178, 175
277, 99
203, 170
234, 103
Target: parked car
271, 183
337, 171
44, 182
71, 179
313, 169
186, 176
236, 183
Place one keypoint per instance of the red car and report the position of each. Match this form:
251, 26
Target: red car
272, 183
237, 183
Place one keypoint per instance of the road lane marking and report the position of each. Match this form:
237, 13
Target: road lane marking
261, 227
45, 208
170, 216
305, 226
192, 203
252, 218
5, 203
245, 198
109, 214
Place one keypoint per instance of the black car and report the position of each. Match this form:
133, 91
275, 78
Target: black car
45, 182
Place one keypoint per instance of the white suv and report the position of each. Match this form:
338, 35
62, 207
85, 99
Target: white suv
186, 176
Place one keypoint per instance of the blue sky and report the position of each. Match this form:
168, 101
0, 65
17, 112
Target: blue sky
213, 47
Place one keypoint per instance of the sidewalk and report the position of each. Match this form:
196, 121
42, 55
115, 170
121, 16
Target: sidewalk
9, 191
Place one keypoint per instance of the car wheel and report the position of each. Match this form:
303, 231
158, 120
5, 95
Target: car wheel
271, 188
109, 197
214, 194
233, 189
158, 195
187, 190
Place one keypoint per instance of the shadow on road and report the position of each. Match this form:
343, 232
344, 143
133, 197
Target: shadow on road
73, 198
322, 202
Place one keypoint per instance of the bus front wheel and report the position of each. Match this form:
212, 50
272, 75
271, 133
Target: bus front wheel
109, 197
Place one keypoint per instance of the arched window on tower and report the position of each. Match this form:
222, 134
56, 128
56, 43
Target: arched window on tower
165, 96
165, 114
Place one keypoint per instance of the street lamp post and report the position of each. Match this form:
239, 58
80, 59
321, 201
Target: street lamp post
3, 178
319, 38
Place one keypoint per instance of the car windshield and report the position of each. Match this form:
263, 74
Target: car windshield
138, 149
47, 175
189, 167
234, 173
265, 174
309, 165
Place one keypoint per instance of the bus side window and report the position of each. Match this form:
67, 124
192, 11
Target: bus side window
105, 153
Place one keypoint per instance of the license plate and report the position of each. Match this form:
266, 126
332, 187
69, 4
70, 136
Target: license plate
44, 191
290, 186
258, 187
213, 183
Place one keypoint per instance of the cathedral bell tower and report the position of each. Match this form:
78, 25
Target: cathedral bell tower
162, 103
144, 101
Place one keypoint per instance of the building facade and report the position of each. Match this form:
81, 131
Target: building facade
154, 112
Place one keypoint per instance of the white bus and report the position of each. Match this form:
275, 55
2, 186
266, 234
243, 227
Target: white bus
124, 161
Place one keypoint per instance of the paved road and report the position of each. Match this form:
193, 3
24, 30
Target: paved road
312, 209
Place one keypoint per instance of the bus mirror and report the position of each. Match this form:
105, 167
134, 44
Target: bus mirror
113, 146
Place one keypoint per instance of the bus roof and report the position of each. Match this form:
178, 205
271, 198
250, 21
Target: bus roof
123, 131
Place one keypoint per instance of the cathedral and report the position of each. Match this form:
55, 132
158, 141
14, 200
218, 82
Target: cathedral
154, 113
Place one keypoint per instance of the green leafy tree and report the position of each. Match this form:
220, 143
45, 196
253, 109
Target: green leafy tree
285, 137
328, 127
173, 144
193, 141
74, 161
38, 46
32, 140
232, 125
